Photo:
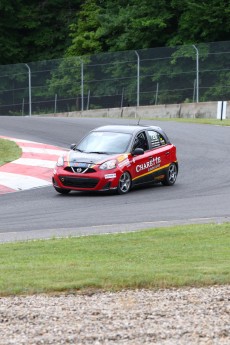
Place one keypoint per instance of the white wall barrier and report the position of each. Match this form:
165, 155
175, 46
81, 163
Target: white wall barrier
221, 110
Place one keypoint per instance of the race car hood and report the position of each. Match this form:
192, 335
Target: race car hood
90, 158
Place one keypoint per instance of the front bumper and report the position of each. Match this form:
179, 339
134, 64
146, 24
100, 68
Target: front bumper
97, 181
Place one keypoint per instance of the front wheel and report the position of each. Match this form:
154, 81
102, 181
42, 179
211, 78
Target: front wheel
61, 190
124, 183
171, 175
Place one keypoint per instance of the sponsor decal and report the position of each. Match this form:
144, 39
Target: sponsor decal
149, 171
68, 159
159, 177
79, 165
108, 176
125, 162
152, 164
121, 158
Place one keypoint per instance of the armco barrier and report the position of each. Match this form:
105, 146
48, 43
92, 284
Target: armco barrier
207, 110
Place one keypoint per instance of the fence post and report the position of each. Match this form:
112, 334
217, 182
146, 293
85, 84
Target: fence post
29, 76
157, 90
23, 102
55, 104
194, 90
122, 97
197, 73
82, 84
88, 100
138, 78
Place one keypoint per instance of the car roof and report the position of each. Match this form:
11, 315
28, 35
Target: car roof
129, 129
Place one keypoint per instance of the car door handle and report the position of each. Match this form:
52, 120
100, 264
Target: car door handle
167, 153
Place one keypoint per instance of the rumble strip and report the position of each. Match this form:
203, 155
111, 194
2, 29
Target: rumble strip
32, 170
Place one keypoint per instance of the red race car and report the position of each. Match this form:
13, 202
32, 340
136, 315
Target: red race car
117, 158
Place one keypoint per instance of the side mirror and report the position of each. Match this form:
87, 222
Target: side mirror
138, 151
72, 146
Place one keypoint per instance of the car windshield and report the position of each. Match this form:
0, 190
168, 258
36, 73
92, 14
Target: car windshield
105, 142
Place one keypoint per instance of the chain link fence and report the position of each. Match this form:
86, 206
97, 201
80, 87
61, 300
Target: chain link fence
191, 73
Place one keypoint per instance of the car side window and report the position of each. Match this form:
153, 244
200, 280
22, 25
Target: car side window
156, 139
141, 141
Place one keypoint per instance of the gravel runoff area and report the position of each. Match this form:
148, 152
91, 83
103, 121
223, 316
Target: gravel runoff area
171, 316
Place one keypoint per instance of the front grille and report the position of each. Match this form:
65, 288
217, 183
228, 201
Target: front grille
74, 170
106, 186
79, 182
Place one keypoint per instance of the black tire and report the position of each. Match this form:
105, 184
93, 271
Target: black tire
171, 175
124, 184
61, 190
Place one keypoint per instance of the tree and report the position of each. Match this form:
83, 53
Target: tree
145, 24
32, 30
115, 26
10, 47
201, 21
85, 30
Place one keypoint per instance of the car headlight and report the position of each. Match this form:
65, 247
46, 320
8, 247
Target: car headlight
60, 162
109, 165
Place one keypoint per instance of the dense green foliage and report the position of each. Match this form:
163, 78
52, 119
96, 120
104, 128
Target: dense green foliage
201, 21
32, 30
35, 30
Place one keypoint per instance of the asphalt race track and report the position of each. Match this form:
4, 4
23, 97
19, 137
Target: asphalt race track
201, 193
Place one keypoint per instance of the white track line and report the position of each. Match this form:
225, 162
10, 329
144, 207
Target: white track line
35, 162
18, 181
42, 151
21, 182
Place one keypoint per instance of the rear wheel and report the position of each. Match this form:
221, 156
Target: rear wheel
124, 183
171, 175
61, 190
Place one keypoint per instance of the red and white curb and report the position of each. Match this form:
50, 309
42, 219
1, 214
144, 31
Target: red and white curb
32, 170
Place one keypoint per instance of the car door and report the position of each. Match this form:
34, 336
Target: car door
160, 154
141, 164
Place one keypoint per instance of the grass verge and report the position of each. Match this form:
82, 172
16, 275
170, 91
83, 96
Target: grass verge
195, 255
203, 121
9, 151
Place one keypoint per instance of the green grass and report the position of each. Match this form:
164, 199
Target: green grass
203, 121
9, 151
195, 255
197, 120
